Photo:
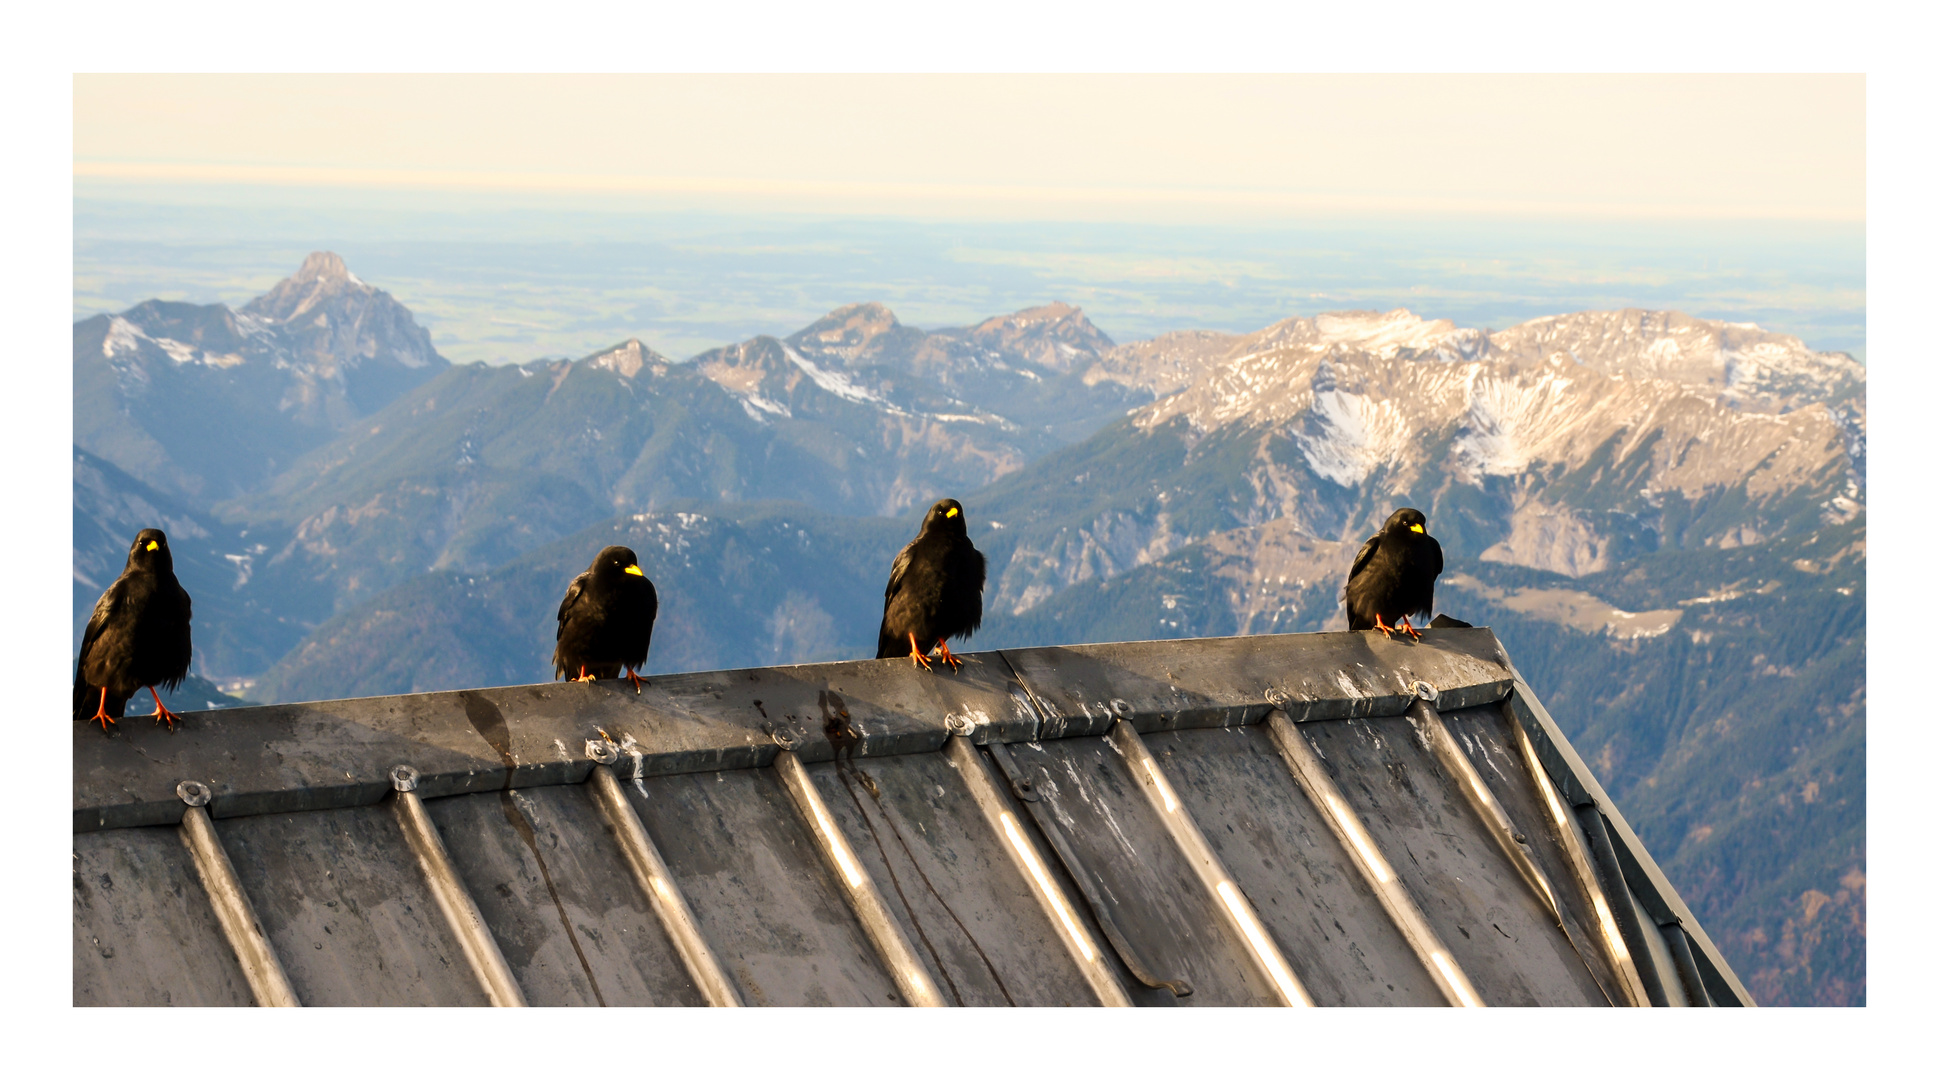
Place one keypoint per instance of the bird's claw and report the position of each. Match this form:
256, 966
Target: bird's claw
921, 660
1407, 627
162, 712
102, 715
948, 657
634, 678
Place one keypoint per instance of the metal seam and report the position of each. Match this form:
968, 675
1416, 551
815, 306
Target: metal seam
1228, 898
662, 895
268, 983
1347, 828
1024, 854
460, 911
1614, 948
864, 898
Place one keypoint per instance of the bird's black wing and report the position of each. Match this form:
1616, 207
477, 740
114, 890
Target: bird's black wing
885, 642
897, 569
104, 610
1366, 554
572, 597
1434, 548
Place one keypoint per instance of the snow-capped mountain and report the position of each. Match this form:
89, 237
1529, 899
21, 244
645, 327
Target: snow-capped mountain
204, 401
1561, 445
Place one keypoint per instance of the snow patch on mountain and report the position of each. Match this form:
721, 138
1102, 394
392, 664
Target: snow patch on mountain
833, 382
1346, 436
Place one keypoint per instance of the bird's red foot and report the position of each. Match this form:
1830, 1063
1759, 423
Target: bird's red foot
161, 712
949, 657
1381, 625
1407, 627
915, 653
583, 677
634, 678
101, 711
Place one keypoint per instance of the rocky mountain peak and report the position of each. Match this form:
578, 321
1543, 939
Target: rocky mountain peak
855, 332
322, 278
1054, 336
325, 266
627, 358
1743, 364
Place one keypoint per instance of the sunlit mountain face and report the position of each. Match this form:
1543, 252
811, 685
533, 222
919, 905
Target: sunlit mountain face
1649, 507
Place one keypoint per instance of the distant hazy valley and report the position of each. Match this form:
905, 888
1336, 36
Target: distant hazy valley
1662, 516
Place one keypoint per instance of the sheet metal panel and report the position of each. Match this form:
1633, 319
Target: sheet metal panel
1485, 736
1221, 682
1498, 931
1153, 895
343, 901
1652, 887
946, 879
553, 888
144, 933
759, 889
1305, 888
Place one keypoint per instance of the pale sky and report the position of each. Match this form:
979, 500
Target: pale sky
1144, 148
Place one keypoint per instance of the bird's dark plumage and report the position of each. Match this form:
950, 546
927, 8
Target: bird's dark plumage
138, 637
606, 620
1393, 575
935, 589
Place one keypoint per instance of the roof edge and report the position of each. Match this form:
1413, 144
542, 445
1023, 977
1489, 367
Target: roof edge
326, 754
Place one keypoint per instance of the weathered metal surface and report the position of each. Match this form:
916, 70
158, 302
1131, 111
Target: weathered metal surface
911, 974
945, 878
649, 871
1152, 898
1688, 984
319, 755
1229, 900
342, 899
268, 983
1225, 682
1579, 787
1629, 919
1498, 932
1326, 919
1502, 754
1041, 874
759, 889
1507, 835
144, 933
555, 892
1002, 879
461, 913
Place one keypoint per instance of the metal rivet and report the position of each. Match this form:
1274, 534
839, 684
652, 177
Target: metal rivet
403, 778
602, 751
959, 725
1424, 690
193, 792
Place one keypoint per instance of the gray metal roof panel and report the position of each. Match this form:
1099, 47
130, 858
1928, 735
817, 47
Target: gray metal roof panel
1114, 890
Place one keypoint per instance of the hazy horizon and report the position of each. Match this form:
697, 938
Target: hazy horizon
508, 280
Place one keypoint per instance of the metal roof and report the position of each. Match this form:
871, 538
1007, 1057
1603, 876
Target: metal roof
1330, 819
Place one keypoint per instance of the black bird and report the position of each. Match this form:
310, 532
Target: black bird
935, 590
606, 620
138, 637
1392, 579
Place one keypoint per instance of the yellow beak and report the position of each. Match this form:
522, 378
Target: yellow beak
1418, 528
952, 512
152, 545
636, 571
